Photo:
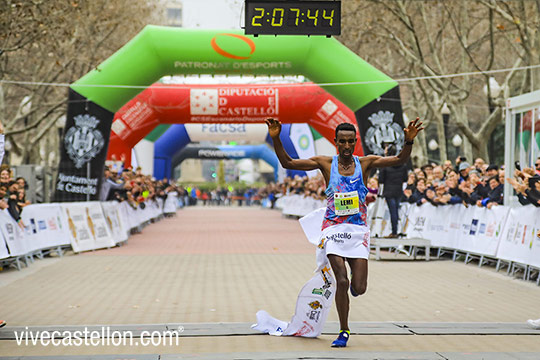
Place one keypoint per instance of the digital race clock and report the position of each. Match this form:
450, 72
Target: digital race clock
293, 17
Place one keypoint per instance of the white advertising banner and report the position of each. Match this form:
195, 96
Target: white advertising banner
117, 227
45, 226
298, 205
227, 132
132, 215
13, 235
520, 240
4, 253
88, 227
480, 229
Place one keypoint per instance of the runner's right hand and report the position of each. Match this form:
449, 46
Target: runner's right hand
274, 127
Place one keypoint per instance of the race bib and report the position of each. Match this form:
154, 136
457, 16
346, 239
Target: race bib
346, 203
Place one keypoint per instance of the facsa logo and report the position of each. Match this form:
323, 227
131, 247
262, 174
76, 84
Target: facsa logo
227, 54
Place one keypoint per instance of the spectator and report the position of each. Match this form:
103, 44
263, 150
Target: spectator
373, 189
5, 174
392, 179
463, 169
456, 194
459, 160
495, 194
430, 196
419, 193
537, 166
479, 164
447, 166
411, 181
528, 192
22, 183
492, 170
442, 197
438, 174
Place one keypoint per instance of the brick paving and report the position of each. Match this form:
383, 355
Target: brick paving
224, 264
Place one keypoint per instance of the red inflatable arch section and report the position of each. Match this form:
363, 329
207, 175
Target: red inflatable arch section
184, 104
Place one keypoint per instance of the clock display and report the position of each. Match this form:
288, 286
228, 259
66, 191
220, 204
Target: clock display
293, 17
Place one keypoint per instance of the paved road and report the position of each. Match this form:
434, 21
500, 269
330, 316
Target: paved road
222, 265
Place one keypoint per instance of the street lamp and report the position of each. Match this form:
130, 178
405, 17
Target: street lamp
495, 89
457, 140
445, 111
433, 145
494, 92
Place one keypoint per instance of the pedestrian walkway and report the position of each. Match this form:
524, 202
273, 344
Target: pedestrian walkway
211, 269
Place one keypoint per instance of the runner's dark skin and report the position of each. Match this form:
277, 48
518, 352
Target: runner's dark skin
345, 143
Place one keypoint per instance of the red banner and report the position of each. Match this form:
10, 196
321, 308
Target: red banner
183, 104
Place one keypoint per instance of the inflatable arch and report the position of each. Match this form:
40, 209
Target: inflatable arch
187, 104
168, 149
221, 152
158, 51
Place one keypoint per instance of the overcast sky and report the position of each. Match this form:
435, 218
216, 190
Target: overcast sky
212, 14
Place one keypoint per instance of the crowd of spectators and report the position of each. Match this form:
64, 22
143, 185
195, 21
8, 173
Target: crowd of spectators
132, 186
478, 184
12, 191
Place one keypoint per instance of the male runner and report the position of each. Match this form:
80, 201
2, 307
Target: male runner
345, 234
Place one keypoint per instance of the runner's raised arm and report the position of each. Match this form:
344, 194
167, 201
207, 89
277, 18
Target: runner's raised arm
274, 129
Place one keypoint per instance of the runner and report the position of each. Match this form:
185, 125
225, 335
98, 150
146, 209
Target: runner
345, 234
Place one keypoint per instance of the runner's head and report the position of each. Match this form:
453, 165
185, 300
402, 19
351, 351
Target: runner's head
345, 139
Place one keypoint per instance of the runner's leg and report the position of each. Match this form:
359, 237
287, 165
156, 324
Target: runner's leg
359, 269
342, 291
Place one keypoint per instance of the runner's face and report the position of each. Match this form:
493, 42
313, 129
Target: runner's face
345, 142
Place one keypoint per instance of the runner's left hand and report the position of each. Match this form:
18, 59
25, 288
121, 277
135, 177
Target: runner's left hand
413, 129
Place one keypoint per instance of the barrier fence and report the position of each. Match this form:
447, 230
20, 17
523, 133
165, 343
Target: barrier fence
81, 226
502, 233
505, 234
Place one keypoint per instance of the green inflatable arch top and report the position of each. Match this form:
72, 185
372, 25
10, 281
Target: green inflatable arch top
159, 51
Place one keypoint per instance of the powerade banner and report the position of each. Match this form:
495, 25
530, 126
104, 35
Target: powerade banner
82, 150
380, 122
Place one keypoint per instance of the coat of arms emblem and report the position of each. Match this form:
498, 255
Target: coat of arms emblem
83, 141
383, 130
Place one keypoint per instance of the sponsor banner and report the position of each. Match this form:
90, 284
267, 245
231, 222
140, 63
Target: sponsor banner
478, 230
520, 240
45, 226
227, 132
117, 226
302, 139
4, 252
83, 149
228, 104
381, 121
13, 235
130, 214
298, 205
88, 228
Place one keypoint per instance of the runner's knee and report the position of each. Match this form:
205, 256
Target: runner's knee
342, 282
360, 287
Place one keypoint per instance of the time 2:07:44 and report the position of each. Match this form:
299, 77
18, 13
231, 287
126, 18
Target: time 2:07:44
293, 17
